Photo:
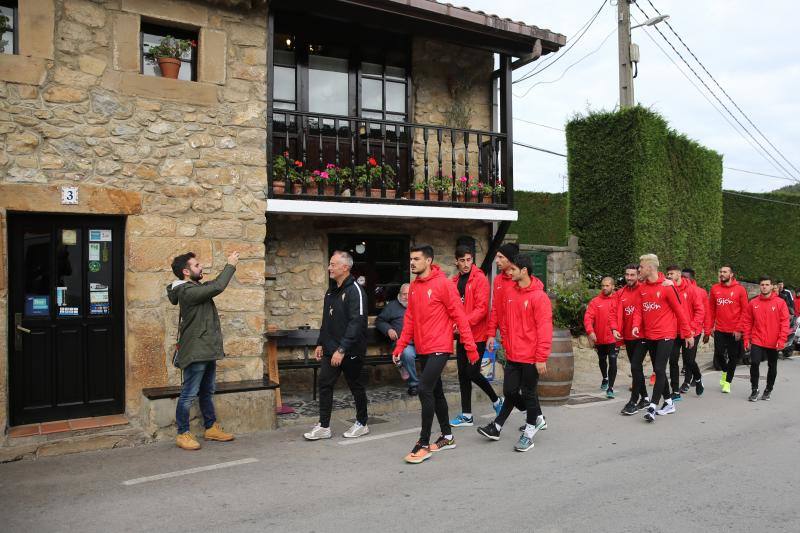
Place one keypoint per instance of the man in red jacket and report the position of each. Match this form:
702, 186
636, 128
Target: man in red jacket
625, 325
597, 322
433, 306
726, 302
505, 254
765, 326
663, 318
693, 374
529, 322
473, 287
695, 311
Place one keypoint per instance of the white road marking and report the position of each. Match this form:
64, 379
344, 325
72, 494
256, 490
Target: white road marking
188, 471
371, 438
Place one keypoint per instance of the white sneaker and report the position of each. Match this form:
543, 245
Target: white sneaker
541, 423
667, 409
357, 430
318, 433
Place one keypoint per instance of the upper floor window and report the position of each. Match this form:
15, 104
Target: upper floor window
152, 35
8, 27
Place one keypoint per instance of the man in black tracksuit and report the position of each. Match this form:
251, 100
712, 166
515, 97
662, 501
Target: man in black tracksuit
341, 346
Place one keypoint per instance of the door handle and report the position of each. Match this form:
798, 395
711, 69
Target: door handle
18, 330
23, 330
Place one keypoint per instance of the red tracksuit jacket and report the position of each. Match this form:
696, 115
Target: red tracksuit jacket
501, 283
765, 322
628, 313
433, 306
597, 318
476, 302
529, 321
662, 313
725, 307
693, 305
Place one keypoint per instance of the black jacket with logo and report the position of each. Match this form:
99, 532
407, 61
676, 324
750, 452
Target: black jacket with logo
344, 320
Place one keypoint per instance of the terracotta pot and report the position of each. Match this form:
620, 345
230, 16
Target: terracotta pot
330, 190
169, 66
472, 197
279, 187
297, 188
361, 192
487, 199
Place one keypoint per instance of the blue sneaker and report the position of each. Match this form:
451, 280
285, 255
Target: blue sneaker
461, 421
523, 444
604, 385
498, 406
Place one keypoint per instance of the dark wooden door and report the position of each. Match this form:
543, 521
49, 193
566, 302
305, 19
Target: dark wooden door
66, 317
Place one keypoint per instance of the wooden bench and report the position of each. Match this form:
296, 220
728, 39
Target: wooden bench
226, 387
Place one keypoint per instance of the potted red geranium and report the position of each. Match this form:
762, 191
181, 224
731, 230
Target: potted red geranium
167, 54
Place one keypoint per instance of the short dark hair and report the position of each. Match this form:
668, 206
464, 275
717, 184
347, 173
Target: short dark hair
631, 266
523, 261
690, 271
766, 278
728, 265
672, 267
464, 249
426, 249
778, 281
180, 262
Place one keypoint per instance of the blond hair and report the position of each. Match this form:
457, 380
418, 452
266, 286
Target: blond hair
649, 259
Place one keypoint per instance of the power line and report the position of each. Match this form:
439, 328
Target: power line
712, 92
761, 174
723, 90
770, 200
707, 99
582, 31
540, 125
539, 149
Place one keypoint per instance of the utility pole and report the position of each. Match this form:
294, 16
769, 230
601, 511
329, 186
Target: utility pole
625, 66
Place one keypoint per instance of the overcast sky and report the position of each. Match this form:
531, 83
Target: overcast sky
750, 48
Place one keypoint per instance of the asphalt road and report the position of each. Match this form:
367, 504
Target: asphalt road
720, 464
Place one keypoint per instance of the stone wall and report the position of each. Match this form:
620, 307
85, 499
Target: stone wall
184, 161
563, 262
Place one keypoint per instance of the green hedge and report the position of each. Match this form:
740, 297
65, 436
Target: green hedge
542, 218
759, 237
636, 186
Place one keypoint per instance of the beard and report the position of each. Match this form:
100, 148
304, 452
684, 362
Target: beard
196, 277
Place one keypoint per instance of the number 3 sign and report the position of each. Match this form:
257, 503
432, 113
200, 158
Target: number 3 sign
69, 195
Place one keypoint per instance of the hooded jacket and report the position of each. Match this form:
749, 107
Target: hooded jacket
529, 322
725, 306
501, 283
693, 305
476, 302
200, 335
344, 320
765, 322
628, 313
433, 306
597, 318
663, 316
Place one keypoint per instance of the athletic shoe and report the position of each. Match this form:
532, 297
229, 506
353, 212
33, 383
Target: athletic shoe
318, 433
726, 387
666, 409
683, 371
754, 396
461, 421
610, 394
676, 397
685, 387
766, 395
698, 388
650, 415
357, 430
490, 431
523, 444
498, 406
418, 454
413, 391
629, 409
443, 443
541, 423
604, 384
643, 404
723, 379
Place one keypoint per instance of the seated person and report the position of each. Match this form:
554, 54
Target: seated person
390, 323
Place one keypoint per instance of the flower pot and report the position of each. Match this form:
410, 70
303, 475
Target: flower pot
376, 193
487, 198
330, 190
361, 192
279, 187
297, 188
169, 67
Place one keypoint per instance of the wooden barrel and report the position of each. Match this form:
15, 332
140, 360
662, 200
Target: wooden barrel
556, 385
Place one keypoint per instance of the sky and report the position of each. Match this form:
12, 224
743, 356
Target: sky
749, 47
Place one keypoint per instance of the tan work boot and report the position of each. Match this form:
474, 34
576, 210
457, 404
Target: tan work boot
187, 441
215, 433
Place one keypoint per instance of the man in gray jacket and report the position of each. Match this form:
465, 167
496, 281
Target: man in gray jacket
390, 323
199, 344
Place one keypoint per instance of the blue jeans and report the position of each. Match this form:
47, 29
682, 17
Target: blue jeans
409, 360
199, 380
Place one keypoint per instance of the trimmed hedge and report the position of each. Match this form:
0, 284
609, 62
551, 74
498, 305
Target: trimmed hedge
758, 237
542, 218
636, 187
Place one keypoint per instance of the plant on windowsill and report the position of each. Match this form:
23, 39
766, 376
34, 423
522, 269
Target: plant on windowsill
371, 174
443, 186
498, 192
417, 191
473, 189
167, 54
3, 28
486, 192
280, 172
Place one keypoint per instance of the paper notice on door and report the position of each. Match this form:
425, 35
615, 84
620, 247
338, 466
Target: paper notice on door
94, 251
97, 287
98, 297
69, 237
100, 235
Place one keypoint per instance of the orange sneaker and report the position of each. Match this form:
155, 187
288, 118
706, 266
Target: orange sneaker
418, 454
187, 441
215, 433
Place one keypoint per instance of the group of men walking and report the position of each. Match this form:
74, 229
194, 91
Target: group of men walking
666, 316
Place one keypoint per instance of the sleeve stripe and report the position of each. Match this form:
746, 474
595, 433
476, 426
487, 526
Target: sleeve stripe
360, 299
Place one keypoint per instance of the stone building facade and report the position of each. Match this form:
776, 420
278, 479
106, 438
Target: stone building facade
183, 165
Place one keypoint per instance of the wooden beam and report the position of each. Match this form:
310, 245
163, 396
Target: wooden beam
529, 58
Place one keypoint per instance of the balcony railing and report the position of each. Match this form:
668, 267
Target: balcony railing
335, 158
